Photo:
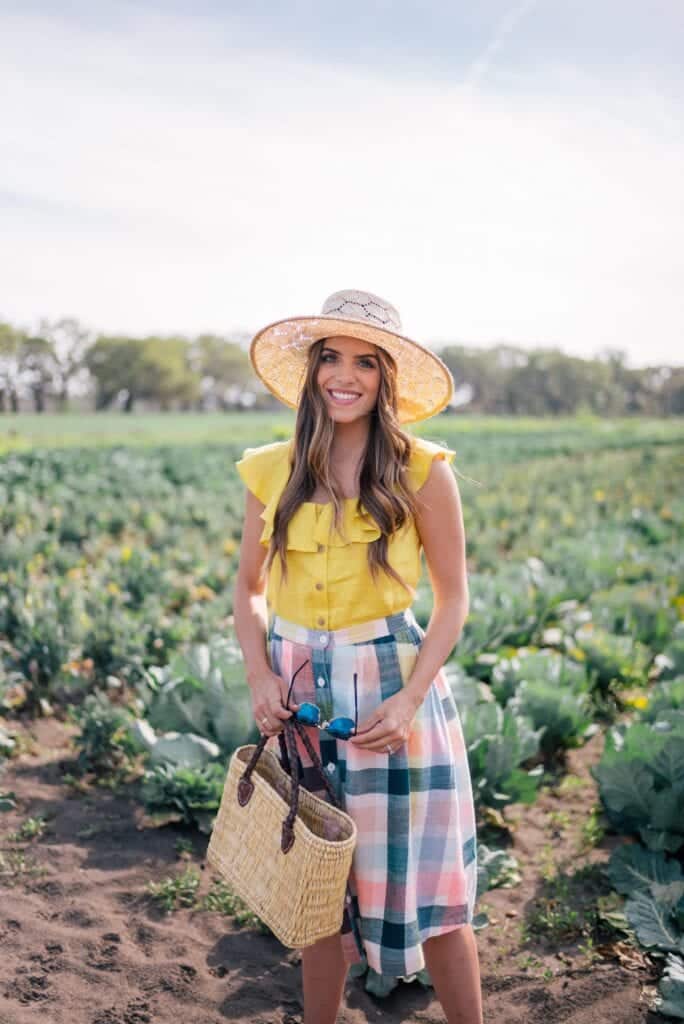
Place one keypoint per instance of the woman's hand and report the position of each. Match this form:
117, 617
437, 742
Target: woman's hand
389, 725
269, 696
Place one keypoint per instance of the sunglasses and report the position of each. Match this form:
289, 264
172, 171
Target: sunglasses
310, 714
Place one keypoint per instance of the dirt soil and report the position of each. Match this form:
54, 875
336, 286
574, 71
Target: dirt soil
81, 943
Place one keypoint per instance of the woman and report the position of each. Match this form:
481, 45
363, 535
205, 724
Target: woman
334, 523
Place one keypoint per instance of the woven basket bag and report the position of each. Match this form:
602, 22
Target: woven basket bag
285, 852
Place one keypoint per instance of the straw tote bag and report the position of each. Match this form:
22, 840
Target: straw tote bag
285, 852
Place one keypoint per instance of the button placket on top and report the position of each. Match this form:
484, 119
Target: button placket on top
321, 535
322, 665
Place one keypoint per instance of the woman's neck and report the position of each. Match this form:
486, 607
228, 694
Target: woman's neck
350, 439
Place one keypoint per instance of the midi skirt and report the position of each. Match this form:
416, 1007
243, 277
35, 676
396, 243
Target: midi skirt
414, 870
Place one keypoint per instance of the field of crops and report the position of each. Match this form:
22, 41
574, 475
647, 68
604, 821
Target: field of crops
120, 541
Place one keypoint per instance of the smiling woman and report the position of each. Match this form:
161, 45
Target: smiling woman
349, 374
335, 522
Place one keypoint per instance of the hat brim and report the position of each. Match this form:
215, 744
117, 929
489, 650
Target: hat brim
278, 353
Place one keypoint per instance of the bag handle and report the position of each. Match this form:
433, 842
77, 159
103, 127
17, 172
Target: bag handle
245, 786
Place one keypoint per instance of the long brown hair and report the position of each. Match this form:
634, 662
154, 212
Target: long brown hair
383, 488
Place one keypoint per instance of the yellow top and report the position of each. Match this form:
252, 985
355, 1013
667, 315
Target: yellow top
329, 585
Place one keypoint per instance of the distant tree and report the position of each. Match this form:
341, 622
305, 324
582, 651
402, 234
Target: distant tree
221, 365
69, 341
152, 369
36, 368
672, 393
11, 339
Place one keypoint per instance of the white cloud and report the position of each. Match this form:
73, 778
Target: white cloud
163, 181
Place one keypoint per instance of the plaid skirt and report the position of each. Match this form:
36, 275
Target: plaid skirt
414, 872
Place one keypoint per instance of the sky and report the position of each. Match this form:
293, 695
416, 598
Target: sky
499, 171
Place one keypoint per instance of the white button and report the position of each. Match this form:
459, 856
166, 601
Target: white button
330, 767
321, 681
323, 638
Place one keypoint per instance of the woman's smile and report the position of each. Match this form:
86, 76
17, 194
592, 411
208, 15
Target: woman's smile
343, 397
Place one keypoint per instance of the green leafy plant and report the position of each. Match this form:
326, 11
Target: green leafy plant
499, 742
202, 691
641, 780
104, 743
192, 796
174, 893
612, 660
542, 666
654, 887
640, 610
670, 999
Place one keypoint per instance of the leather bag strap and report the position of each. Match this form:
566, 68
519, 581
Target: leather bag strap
288, 745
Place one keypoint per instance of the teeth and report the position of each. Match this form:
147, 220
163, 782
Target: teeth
343, 394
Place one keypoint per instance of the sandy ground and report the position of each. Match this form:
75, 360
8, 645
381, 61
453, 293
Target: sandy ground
81, 943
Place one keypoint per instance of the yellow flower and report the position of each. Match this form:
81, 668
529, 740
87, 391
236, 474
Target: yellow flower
599, 495
678, 602
113, 588
577, 653
229, 546
640, 702
126, 553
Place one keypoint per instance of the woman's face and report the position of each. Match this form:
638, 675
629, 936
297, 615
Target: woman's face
348, 377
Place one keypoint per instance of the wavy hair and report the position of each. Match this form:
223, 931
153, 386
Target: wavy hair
383, 487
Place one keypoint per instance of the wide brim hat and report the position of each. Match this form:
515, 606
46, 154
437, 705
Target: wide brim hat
278, 352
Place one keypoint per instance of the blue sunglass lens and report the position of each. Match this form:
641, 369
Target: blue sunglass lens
341, 728
308, 714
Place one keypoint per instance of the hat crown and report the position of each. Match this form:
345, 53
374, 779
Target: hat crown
353, 304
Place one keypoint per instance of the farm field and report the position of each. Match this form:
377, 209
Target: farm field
122, 697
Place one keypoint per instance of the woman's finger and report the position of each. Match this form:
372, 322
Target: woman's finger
388, 745
378, 735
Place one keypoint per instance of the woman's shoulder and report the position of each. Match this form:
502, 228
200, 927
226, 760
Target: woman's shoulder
259, 466
423, 454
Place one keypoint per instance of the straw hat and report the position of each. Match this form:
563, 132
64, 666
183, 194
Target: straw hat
279, 352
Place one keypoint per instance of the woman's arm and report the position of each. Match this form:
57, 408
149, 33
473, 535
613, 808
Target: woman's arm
250, 616
439, 522
441, 529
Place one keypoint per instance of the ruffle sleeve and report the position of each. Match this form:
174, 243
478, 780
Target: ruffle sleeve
423, 454
260, 468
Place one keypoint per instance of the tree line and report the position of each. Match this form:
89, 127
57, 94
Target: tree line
64, 365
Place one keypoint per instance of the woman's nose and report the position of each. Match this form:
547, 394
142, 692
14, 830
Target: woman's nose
345, 374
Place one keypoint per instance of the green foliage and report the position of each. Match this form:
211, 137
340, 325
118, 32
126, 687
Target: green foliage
40, 640
672, 660
188, 795
499, 742
495, 869
671, 988
104, 742
641, 780
564, 716
175, 893
544, 666
221, 899
202, 691
508, 607
654, 886
664, 696
612, 660
640, 610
